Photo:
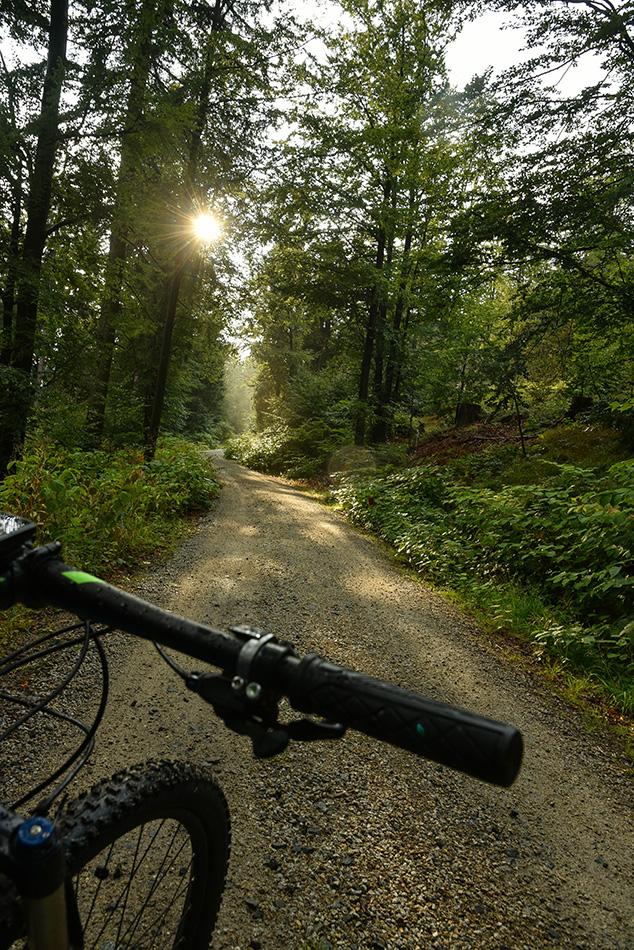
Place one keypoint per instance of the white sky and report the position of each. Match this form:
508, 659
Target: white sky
485, 43
481, 44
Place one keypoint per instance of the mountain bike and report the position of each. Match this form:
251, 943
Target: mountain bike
140, 859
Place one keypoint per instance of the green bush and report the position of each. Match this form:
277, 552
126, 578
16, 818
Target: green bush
593, 446
298, 452
108, 508
570, 540
261, 451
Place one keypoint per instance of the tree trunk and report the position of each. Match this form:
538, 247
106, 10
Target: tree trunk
221, 11
13, 428
519, 423
111, 300
39, 201
106, 336
368, 348
396, 343
398, 375
173, 293
381, 427
8, 294
376, 300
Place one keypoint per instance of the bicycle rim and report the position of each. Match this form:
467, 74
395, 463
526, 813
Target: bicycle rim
138, 892
147, 854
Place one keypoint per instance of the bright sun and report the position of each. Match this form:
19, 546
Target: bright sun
206, 227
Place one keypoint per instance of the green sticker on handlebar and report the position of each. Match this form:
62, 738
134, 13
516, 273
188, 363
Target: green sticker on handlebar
80, 577
420, 730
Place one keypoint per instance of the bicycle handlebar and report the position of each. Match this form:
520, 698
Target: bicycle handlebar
478, 746
462, 740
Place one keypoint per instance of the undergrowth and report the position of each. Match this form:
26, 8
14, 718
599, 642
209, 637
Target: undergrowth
299, 452
551, 562
109, 508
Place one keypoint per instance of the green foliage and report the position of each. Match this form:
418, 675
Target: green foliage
298, 452
589, 445
108, 508
121, 203
570, 541
624, 424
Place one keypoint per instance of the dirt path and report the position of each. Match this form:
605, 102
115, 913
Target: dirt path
352, 845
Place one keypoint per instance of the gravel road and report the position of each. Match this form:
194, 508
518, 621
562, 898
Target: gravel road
350, 845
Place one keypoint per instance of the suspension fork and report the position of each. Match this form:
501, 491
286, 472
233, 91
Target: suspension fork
47, 926
38, 867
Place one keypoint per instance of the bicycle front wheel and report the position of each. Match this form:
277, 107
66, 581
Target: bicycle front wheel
147, 851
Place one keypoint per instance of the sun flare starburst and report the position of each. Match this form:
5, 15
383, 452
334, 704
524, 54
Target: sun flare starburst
207, 227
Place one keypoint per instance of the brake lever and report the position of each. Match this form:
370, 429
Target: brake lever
254, 714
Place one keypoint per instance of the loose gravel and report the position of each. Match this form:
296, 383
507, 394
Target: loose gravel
350, 845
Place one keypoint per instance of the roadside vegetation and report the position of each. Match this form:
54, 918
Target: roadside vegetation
539, 547
109, 508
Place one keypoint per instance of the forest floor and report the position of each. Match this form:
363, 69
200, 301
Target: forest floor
351, 845
447, 445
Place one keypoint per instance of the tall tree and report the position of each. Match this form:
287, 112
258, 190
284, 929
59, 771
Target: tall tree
144, 51
562, 213
217, 17
235, 87
18, 396
379, 169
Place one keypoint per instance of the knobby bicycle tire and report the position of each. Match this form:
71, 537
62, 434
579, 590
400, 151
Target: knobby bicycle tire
147, 851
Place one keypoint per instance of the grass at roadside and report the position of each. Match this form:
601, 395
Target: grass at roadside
541, 552
109, 509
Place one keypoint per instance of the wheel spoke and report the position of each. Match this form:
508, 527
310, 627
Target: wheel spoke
148, 850
159, 877
152, 894
94, 898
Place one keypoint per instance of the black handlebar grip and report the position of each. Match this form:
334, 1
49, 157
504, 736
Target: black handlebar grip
472, 744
